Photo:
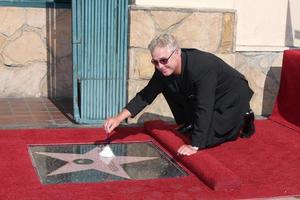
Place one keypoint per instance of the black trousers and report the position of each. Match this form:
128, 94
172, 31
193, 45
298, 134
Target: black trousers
228, 113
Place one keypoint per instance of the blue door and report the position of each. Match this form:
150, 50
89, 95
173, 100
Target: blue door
99, 58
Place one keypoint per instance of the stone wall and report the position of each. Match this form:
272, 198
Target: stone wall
35, 52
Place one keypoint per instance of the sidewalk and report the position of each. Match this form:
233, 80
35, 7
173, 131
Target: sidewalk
35, 113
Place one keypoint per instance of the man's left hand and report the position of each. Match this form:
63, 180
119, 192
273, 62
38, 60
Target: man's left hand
186, 150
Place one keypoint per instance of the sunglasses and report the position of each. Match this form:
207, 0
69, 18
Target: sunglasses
162, 61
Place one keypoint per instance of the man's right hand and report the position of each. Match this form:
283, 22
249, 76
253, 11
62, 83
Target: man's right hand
110, 124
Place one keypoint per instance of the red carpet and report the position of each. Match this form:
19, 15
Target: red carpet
265, 165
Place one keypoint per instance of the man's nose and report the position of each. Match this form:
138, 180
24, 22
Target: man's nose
159, 65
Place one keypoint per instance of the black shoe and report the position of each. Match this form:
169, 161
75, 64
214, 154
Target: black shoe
248, 128
185, 128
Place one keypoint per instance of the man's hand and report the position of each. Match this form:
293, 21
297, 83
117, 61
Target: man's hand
186, 150
110, 124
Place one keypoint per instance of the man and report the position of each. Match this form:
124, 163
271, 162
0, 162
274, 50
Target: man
208, 98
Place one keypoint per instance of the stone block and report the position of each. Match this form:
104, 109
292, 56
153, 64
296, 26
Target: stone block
263, 76
256, 80
3, 39
201, 31
166, 19
11, 19
44, 32
159, 109
24, 81
228, 58
27, 48
134, 86
227, 37
142, 28
36, 17
140, 65
278, 59
7, 61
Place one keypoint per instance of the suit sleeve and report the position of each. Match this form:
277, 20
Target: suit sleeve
146, 95
204, 105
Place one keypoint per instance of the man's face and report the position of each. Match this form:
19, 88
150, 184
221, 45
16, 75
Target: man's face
165, 61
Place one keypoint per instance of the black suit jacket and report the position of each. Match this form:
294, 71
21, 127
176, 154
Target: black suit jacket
206, 83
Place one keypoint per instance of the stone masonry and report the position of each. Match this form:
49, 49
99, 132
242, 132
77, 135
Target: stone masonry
35, 52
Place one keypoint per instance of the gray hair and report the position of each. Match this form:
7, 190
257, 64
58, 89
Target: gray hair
163, 40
